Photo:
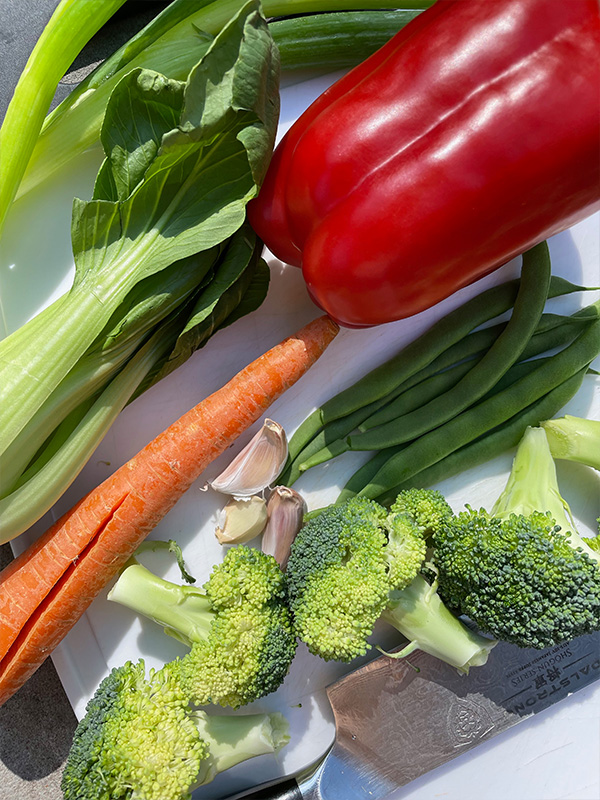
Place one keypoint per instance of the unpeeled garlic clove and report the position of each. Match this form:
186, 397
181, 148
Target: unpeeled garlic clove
286, 509
242, 519
257, 465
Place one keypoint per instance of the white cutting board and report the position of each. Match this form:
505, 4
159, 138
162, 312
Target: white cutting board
555, 756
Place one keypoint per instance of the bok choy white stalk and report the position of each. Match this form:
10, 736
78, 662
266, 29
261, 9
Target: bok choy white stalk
163, 258
71, 26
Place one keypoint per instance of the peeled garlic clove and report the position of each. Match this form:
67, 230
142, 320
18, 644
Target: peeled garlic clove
258, 464
241, 520
286, 509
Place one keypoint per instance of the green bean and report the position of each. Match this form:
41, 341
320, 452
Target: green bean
366, 473
339, 446
480, 340
449, 329
336, 430
487, 414
490, 445
445, 333
424, 391
323, 449
332, 450
369, 469
553, 331
527, 311
475, 343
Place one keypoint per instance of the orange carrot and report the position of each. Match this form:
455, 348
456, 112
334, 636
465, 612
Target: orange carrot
47, 588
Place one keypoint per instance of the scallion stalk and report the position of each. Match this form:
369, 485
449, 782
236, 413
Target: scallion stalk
338, 39
70, 27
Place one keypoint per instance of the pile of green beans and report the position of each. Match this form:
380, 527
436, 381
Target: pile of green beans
459, 394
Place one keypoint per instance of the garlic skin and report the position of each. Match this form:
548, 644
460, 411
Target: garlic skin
286, 509
241, 520
257, 465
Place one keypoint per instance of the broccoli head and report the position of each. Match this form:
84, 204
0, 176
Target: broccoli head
338, 578
238, 627
515, 572
356, 562
141, 740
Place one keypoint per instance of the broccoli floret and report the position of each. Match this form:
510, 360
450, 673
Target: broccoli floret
419, 613
533, 486
355, 563
238, 626
427, 508
141, 740
338, 579
515, 572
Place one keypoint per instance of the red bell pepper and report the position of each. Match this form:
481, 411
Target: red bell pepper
468, 138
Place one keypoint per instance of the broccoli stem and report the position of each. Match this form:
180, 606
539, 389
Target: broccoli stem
233, 739
183, 611
533, 486
419, 614
574, 439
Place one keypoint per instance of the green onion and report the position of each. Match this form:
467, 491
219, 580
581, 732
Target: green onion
71, 26
336, 40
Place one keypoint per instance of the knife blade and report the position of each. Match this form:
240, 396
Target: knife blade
397, 719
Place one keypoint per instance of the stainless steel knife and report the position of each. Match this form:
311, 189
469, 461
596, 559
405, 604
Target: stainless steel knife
396, 720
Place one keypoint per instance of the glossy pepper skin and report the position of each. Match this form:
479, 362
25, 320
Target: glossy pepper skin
469, 137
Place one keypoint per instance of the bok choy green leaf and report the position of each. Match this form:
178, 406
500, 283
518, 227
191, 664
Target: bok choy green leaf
163, 258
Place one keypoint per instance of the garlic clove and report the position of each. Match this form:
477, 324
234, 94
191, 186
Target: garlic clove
257, 465
241, 520
286, 509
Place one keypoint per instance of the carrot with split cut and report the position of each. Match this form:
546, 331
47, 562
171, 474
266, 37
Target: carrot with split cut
47, 588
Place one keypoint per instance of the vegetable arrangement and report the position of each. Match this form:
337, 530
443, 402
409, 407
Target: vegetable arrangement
523, 574
47, 588
186, 113
146, 302
399, 184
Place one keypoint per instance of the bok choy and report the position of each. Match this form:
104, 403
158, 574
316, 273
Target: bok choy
163, 258
170, 44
